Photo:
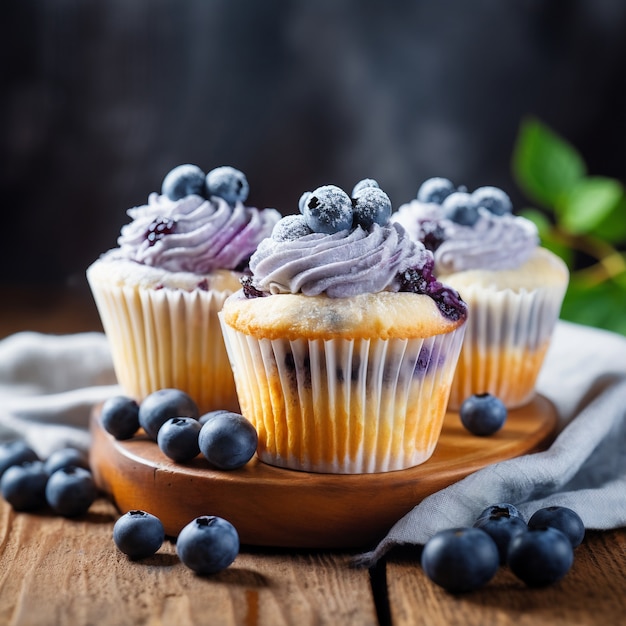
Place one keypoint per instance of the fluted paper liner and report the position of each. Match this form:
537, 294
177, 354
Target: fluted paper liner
164, 338
344, 406
506, 339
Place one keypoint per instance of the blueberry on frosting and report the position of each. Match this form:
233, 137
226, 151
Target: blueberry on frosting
461, 208
493, 199
291, 227
228, 183
302, 202
364, 184
371, 206
328, 210
435, 190
182, 181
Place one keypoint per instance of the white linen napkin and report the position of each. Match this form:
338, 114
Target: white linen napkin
49, 385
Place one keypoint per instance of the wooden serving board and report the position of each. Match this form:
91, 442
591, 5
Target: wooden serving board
270, 506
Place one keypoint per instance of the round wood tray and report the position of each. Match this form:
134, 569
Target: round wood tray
270, 506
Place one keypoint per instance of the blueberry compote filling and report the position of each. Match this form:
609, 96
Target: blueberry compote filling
159, 229
249, 290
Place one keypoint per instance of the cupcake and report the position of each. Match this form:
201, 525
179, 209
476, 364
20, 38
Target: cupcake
343, 344
513, 287
158, 293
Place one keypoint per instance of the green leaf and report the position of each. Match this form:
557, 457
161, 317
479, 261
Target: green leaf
613, 227
601, 305
588, 203
544, 164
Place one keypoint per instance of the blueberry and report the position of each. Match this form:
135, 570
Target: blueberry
70, 491
15, 453
66, 457
120, 417
290, 227
459, 207
162, 405
208, 544
502, 529
483, 414
302, 201
24, 486
182, 181
203, 419
561, 518
540, 556
435, 190
371, 205
138, 534
178, 438
460, 559
502, 509
328, 210
228, 183
493, 199
364, 184
228, 440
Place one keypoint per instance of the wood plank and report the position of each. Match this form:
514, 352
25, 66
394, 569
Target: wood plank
591, 593
60, 571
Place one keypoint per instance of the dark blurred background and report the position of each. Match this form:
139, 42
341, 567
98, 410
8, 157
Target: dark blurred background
100, 98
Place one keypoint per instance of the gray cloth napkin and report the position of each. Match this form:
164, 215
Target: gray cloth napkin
49, 385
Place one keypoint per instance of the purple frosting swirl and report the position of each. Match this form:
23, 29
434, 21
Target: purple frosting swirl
194, 234
339, 265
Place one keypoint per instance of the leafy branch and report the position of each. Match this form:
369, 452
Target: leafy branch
580, 217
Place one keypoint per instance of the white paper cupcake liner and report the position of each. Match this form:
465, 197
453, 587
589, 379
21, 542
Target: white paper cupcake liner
344, 406
164, 338
506, 339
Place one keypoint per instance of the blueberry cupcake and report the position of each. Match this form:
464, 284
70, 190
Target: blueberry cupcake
158, 293
513, 287
343, 344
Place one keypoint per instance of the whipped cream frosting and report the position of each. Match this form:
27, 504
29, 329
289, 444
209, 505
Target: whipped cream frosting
494, 242
194, 234
340, 265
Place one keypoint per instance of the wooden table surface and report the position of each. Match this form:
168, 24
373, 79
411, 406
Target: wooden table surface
58, 571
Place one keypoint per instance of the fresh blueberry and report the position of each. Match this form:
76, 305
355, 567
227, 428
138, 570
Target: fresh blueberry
178, 438
435, 190
483, 414
203, 419
364, 184
24, 486
70, 491
182, 181
302, 201
228, 183
15, 453
228, 440
371, 205
561, 518
459, 207
208, 544
460, 559
120, 417
431, 234
493, 199
162, 405
138, 534
328, 210
502, 529
66, 457
502, 509
540, 556
290, 227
